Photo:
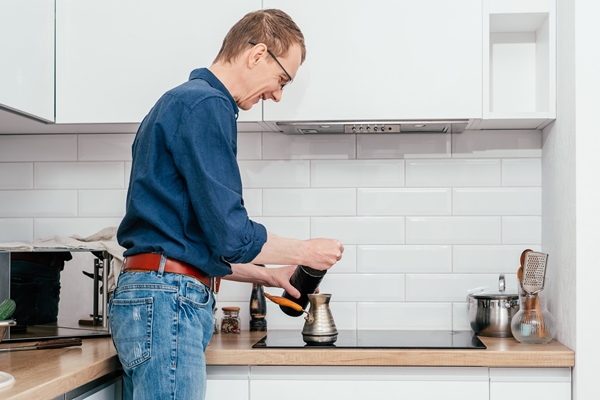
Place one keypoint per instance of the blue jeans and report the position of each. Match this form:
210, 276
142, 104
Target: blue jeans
161, 324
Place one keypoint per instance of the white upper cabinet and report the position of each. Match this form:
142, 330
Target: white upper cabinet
381, 59
519, 64
115, 58
27, 57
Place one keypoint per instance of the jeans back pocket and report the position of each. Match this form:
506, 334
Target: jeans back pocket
131, 326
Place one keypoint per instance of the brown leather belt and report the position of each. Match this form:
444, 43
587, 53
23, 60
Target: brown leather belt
151, 262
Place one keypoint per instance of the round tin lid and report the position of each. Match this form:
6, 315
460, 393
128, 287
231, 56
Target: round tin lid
500, 294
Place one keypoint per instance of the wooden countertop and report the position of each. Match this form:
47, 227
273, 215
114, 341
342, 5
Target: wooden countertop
46, 374
500, 352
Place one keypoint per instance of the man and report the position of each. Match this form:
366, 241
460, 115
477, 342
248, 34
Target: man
186, 223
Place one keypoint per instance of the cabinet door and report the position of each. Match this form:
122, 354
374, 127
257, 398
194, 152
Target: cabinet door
219, 389
542, 383
27, 52
378, 59
115, 58
360, 390
359, 383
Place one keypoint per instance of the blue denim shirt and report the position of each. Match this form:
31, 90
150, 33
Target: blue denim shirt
185, 190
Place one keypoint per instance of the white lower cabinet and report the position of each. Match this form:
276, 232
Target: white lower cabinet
109, 387
541, 383
386, 383
227, 383
382, 383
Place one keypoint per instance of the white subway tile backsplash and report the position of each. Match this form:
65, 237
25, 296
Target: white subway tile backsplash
497, 143
249, 146
364, 287
453, 230
403, 146
16, 230
127, 172
428, 173
19, 148
484, 259
81, 175
48, 227
102, 203
307, 202
446, 287
344, 314
404, 259
105, 147
38, 203
522, 172
234, 291
360, 230
290, 227
404, 316
357, 173
16, 176
497, 201
390, 201
423, 218
277, 146
347, 265
275, 174
522, 230
460, 317
253, 202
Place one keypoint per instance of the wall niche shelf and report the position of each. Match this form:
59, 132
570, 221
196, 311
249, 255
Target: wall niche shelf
519, 64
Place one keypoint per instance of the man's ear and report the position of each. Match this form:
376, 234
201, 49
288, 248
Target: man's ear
257, 53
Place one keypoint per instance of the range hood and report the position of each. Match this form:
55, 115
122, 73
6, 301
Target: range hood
368, 127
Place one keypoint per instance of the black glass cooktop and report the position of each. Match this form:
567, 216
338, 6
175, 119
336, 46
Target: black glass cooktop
377, 339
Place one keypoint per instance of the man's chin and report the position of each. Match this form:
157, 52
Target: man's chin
246, 105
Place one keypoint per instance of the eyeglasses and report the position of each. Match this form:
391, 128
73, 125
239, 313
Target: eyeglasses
253, 43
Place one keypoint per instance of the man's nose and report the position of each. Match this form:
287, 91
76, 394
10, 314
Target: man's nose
276, 95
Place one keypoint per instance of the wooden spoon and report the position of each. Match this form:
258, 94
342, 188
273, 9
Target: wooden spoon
520, 270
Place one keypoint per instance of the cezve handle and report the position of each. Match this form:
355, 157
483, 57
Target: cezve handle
47, 344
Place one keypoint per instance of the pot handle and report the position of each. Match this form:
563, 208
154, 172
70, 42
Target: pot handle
501, 283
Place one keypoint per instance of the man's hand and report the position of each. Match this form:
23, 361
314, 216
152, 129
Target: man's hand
322, 253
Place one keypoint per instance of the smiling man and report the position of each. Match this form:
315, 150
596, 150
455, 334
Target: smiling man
185, 224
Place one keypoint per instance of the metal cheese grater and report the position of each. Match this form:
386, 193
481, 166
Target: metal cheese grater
534, 272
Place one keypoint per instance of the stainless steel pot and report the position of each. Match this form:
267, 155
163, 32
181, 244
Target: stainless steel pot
490, 313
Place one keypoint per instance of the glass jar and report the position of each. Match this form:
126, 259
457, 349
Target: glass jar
533, 323
230, 323
215, 322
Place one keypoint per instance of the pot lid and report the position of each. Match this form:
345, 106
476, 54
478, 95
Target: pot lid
500, 294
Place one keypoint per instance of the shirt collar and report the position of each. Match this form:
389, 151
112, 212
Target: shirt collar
205, 74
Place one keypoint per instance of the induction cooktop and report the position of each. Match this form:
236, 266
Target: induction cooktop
377, 339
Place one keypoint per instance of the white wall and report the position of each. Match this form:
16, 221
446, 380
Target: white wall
587, 150
424, 218
570, 214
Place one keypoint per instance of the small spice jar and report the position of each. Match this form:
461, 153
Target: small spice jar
215, 322
230, 323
